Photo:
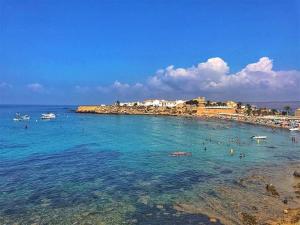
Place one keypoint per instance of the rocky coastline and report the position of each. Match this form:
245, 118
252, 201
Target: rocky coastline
259, 197
184, 110
192, 111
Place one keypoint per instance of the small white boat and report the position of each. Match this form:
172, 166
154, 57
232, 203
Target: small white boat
48, 116
19, 117
294, 129
259, 137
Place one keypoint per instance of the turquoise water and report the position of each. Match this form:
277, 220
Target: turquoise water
110, 169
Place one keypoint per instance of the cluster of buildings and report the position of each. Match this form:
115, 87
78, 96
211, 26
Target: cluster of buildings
154, 102
207, 108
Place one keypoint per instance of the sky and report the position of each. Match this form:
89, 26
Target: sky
92, 52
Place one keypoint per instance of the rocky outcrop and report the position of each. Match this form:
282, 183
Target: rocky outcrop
184, 110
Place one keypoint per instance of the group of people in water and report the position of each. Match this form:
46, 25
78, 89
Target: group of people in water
231, 151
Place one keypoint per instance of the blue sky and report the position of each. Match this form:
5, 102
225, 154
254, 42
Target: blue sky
75, 52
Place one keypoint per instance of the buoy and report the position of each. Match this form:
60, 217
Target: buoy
231, 152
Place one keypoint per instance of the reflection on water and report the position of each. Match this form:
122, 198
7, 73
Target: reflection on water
91, 169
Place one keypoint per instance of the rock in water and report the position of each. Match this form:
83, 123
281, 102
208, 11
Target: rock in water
212, 220
296, 173
271, 188
248, 219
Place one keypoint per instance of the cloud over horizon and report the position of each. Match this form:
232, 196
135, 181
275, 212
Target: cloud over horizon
213, 79
256, 81
36, 87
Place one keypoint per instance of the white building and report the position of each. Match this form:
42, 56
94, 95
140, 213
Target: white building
131, 103
162, 103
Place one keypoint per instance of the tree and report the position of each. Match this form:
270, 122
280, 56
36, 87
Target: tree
192, 102
208, 103
239, 105
249, 109
118, 103
287, 108
274, 111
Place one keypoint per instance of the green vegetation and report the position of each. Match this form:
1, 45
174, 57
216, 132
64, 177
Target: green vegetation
287, 109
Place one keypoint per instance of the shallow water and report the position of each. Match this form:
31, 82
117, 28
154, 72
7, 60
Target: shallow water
110, 169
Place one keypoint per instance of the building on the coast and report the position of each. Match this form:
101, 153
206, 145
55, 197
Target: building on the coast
162, 103
131, 103
171, 104
201, 101
297, 112
153, 102
204, 110
231, 104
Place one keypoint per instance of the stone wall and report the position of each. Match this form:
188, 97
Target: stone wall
297, 113
206, 111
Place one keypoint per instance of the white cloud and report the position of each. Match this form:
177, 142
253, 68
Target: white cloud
36, 87
213, 79
120, 86
5, 85
82, 89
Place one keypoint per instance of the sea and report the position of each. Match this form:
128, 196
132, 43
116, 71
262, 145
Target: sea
118, 169
277, 105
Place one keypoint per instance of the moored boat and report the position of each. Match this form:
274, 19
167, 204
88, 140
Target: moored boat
294, 129
48, 116
19, 117
259, 137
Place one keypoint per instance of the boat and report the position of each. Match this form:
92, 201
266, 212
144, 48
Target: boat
48, 116
259, 137
19, 117
295, 129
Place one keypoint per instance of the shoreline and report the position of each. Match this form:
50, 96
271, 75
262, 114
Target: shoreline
268, 121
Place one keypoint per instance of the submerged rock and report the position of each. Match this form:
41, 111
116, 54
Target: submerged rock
271, 189
297, 173
248, 219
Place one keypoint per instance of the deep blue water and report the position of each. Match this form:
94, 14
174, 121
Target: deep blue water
110, 169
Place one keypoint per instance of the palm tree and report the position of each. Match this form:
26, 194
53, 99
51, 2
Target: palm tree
287, 108
249, 109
